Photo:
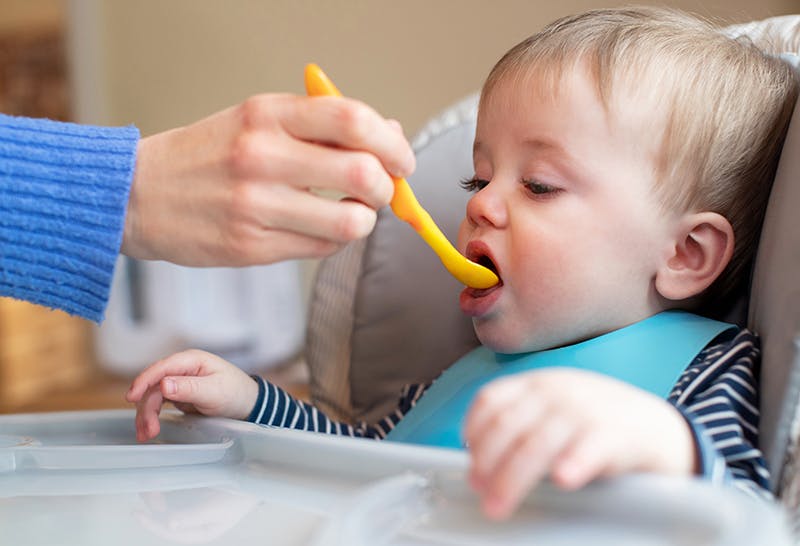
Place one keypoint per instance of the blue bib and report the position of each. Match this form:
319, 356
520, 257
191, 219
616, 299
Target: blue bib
650, 354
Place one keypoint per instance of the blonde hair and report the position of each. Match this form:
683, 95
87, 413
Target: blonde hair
723, 104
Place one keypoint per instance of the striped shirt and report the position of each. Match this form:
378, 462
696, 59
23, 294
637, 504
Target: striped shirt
717, 394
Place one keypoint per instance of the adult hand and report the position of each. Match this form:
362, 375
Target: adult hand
234, 189
572, 425
196, 382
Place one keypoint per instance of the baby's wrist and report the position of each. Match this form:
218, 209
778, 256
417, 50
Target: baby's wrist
702, 451
256, 395
677, 452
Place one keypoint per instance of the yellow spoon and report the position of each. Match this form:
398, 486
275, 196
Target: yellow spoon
407, 208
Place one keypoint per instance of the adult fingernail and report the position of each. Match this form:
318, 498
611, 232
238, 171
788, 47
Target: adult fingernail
412, 162
408, 165
170, 387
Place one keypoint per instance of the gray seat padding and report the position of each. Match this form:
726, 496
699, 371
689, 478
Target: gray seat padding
393, 306
775, 306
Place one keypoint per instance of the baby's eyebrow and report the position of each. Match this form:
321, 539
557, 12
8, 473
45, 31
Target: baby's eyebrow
538, 143
544, 144
550, 150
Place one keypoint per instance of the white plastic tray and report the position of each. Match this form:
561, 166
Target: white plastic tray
80, 478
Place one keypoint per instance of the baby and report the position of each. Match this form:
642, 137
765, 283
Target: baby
623, 160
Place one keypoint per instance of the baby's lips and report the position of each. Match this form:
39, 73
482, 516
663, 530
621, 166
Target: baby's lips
479, 252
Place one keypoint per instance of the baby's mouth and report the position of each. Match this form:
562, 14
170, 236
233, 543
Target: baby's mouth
482, 258
480, 302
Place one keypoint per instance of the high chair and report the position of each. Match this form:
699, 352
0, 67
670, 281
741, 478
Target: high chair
384, 314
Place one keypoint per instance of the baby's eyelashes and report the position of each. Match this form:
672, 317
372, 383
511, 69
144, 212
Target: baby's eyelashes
540, 189
533, 186
473, 184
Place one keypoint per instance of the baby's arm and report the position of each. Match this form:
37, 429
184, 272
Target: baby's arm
275, 407
525, 427
197, 382
718, 394
573, 426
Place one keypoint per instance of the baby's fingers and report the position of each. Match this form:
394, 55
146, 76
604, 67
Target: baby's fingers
184, 363
490, 404
204, 393
149, 378
500, 435
523, 467
588, 456
147, 411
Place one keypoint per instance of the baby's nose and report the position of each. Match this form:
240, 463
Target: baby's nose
488, 207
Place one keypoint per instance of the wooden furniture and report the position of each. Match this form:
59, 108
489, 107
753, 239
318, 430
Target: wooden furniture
41, 352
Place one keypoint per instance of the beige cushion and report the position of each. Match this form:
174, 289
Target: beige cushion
385, 313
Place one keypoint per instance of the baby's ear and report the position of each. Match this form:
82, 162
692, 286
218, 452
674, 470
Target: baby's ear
700, 252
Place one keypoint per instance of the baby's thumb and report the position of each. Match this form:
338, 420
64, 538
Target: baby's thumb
187, 389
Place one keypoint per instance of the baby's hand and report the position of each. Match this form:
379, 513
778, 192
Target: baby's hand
196, 381
573, 425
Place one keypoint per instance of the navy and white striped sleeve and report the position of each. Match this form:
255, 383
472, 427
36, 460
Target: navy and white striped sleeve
275, 407
718, 396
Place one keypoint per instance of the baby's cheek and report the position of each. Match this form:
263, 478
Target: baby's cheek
463, 236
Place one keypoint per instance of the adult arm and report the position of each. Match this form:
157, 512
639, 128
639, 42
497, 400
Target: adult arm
233, 189
63, 192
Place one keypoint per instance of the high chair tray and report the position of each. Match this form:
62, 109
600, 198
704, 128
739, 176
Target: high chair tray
81, 478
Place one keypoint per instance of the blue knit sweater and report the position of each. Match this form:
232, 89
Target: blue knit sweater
63, 195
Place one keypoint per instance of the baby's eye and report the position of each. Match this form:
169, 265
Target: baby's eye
540, 188
473, 184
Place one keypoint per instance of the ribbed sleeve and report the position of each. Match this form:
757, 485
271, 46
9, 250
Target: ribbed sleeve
63, 194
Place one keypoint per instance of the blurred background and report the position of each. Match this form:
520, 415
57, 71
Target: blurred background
160, 64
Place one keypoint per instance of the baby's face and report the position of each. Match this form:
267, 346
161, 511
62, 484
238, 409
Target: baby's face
565, 210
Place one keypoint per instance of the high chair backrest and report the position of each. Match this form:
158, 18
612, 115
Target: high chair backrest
384, 311
774, 305
775, 312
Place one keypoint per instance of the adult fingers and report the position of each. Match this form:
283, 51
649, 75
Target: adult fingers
276, 158
269, 246
341, 121
284, 208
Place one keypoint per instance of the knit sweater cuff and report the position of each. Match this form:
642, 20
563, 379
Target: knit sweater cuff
63, 195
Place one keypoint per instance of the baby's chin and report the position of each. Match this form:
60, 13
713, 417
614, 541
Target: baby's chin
504, 342
508, 341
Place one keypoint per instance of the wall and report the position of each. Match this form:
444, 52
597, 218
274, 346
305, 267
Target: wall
162, 64
23, 15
